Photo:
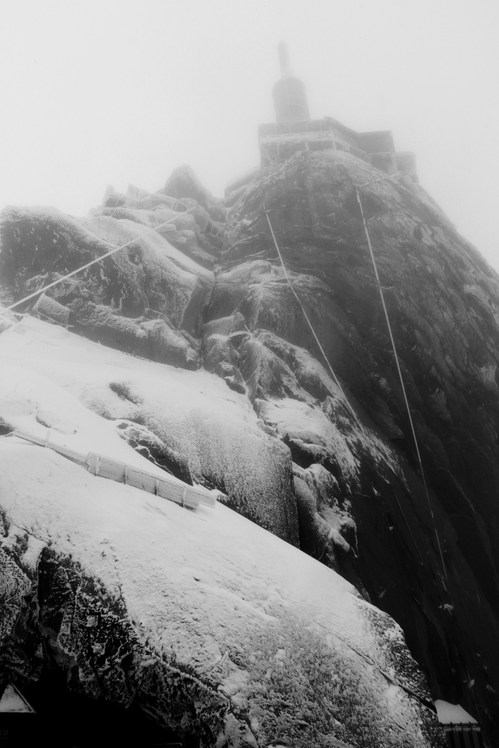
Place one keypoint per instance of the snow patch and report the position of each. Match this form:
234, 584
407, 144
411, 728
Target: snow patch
211, 589
303, 422
50, 371
452, 714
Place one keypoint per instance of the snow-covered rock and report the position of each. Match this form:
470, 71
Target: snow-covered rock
306, 434
442, 299
50, 376
147, 299
219, 630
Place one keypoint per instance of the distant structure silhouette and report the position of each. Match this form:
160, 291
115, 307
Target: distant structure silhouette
290, 96
294, 131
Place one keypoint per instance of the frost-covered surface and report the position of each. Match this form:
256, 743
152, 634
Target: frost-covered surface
66, 380
32, 403
261, 641
442, 299
147, 298
348, 499
311, 428
284, 642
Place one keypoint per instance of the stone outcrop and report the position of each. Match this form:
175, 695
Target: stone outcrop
183, 183
217, 630
332, 467
442, 299
186, 421
147, 299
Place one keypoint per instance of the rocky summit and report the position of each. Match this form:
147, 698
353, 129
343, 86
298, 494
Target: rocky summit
241, 345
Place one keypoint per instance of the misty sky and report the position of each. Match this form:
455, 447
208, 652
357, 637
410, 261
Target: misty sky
100, 92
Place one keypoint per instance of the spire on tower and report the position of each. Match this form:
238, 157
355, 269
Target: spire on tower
284, 60
290, 97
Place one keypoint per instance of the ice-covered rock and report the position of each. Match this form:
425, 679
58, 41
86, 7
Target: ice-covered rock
316, 448
183, 183
217, 629
147, 299
443, 303
193, 413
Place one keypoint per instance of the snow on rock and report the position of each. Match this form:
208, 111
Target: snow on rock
347, 498
196, 218
215, 627
442, 299
328, 530
183, 183
146, 298
194, 413
312, 432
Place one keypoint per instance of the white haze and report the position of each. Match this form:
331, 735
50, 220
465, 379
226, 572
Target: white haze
113, 91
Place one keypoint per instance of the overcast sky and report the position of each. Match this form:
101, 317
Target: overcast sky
98, 92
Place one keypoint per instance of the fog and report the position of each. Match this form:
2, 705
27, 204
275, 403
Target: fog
115, 92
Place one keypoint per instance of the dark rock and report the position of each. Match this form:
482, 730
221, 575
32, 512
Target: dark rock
154, 449
183, 183
442, 300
